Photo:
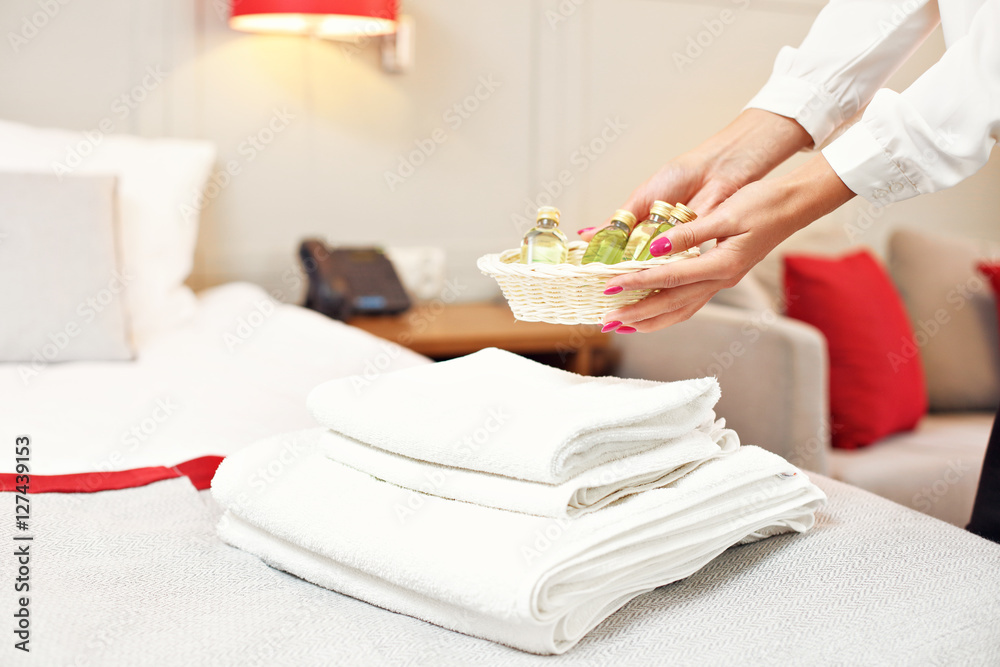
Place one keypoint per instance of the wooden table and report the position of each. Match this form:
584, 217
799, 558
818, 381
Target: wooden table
444, 331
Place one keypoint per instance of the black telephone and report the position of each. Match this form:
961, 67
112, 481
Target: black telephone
351, 281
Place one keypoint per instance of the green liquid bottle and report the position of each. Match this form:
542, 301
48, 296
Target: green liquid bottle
544, 243
659, 213
608, 244
681, 213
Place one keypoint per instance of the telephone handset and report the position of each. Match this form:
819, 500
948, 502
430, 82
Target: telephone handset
351, 281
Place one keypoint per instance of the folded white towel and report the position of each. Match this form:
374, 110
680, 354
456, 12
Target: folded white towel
535, 583
499, 413
586, 492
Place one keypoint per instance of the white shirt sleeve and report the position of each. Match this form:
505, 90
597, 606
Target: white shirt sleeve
853, 47
937, 132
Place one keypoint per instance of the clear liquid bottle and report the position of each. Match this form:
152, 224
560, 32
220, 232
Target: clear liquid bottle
681, 213
544, 243
659, 213
608, 244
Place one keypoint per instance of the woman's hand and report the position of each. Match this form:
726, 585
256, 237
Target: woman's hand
747, 226
743, 152
687, 179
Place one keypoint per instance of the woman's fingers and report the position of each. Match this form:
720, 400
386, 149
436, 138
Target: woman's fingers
664, 320
672, 183
713, 265
587, 233
639, 315
689, 235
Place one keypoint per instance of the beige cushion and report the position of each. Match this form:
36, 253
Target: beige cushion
63, 295
954, 316
825, 237
748, 294
934, 469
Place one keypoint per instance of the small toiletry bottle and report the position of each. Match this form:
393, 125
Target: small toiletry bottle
544, 243
659, 213
681, 213
608, 244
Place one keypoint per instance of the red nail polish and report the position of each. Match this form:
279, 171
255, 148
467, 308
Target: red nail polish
625, 330
613, 290
660, 247
585, 229
610, 326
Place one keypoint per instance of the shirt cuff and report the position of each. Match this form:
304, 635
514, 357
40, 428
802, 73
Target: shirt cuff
810, 106
867, 168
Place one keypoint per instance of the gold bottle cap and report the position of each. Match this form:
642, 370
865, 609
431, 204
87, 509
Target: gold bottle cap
548, 213
683, 213
625, 216
661, 208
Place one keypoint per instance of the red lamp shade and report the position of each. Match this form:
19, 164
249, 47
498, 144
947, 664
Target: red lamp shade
323, 18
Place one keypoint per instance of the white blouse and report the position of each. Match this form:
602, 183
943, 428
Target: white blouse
932, 135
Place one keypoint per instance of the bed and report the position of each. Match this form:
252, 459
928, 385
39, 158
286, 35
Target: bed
130, 417
137, 576
239, 369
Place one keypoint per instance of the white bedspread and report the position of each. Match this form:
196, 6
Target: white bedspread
873, 583
239, 371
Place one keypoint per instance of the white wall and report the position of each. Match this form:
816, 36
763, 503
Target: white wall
565, 70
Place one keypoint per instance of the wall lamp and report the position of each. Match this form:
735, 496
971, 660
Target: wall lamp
350, 20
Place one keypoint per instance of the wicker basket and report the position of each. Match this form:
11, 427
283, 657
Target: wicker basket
568, 293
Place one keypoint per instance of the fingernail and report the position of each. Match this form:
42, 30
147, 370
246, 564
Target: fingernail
625, 330
610, 326
613, 290
660, 247
584, 230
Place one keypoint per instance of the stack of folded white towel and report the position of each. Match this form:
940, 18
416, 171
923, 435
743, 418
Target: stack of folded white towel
505, 499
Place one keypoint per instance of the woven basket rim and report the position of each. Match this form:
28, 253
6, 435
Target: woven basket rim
506, 263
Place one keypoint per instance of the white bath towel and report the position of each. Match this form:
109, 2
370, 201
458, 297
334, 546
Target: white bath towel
586, 492
499, 413
534, 583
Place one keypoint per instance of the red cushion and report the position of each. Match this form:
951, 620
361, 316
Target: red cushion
876, 378
992, 271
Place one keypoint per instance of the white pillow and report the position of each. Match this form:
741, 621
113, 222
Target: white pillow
63, 295
159, 182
